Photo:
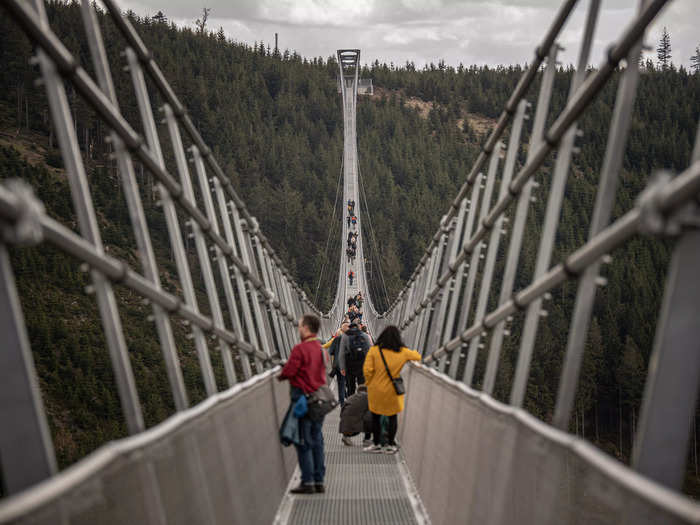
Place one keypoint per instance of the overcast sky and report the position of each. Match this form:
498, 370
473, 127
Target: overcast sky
467, 31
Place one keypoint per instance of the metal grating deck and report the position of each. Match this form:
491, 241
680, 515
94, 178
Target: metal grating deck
360, 488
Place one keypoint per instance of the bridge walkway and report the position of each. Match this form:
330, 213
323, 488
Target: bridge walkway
360, 488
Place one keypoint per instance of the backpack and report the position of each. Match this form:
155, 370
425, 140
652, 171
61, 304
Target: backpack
357, 349
320, 403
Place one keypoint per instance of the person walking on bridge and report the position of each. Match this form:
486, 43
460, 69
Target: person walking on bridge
334, 352
386, 357
358, 299
353, 348
306, 372
351, 276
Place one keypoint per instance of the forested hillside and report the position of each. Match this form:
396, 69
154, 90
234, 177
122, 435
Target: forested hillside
274, 121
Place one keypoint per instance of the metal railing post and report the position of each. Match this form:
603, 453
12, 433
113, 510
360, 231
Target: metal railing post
152, 497
282, 317
418, 320
411, 321
224, 267
671, 388
264, 303
220, 257
171, 219
463, 267
551, 221
271, 284
272, 328
439, 300
602, 211
87, 222
524, 199
427, 310
202, 255
136, 213
474, 258
242, 288
508, 169
443, 295
451, 288
244, 242
485, 285
25, 440
286, 324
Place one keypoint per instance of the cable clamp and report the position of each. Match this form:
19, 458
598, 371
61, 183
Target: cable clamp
26, 229
653, 221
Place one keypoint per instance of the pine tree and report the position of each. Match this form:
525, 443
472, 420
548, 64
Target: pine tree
695, 60
160, 18
663, 51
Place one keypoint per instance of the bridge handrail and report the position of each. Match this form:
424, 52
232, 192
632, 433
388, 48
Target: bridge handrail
616, 475
239, 256
446, 276
117, 270
181, 113
664, 198
22, 505
583, 97
71, 70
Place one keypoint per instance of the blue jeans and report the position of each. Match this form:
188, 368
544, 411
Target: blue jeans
310, 453
341, 388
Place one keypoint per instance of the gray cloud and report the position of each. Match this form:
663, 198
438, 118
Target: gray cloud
458, 31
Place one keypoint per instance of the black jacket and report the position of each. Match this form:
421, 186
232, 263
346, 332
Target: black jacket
333, 351
355, 416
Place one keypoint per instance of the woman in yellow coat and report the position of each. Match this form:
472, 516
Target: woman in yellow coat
381, 395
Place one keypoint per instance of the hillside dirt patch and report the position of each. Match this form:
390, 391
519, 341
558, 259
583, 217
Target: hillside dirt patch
32, 146
480, 124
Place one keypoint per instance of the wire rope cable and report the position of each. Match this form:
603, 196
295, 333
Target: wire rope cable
373, 237
373, 240
330, 231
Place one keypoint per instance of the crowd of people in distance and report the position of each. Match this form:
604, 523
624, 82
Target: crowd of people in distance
354, 312
351, 250
351, 219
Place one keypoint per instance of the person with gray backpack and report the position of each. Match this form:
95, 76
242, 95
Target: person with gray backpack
354, 345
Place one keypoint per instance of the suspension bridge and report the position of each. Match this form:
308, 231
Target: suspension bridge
465, 457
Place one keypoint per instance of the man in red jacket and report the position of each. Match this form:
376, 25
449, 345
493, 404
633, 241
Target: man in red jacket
306, 371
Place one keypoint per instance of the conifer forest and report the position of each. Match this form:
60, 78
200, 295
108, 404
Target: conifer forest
274, 121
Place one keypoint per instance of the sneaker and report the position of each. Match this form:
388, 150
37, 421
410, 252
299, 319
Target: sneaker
373, 449
367, 442
303, 489
390, 449
320, 488
347, 441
